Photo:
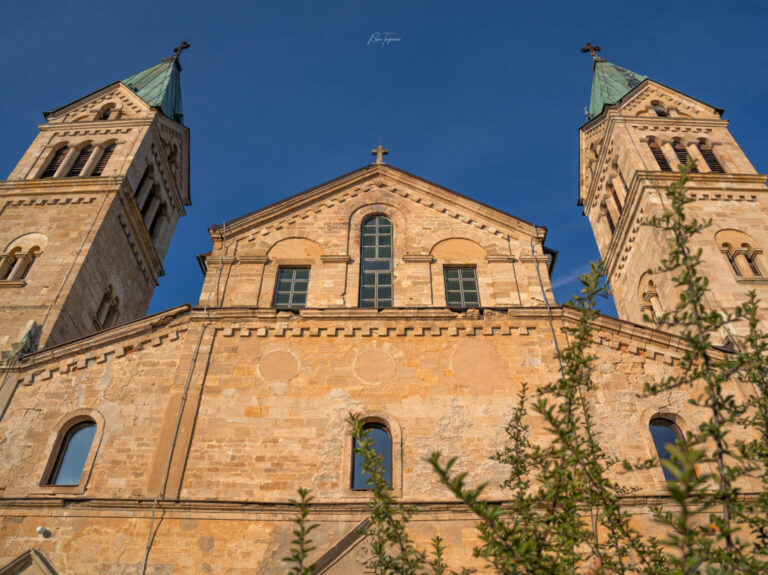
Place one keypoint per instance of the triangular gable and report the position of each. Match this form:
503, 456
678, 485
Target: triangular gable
643, 89
133, 105
30, 563
427, 193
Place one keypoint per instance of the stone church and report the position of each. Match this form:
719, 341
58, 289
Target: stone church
173, 443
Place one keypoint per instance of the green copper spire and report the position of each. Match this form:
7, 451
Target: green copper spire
160, 85
610, 82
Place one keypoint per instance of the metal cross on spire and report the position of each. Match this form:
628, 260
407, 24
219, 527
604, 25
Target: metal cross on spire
592, 50
380, 152
180, 48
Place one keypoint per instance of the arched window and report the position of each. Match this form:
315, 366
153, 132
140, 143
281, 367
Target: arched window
8, 263
54, 165
710, 158
82, 159
664, 433
659, 109
73, 454
727, 250
106, 314
156, 220
15, 265
104, 160
682, 155
659, 156
382, 444
376, 263
741, 253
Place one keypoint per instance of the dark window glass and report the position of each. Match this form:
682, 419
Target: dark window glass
149, 201
659, 156
102, 163
461, 287
729, 255
376, 263
82, 159
291, 288
74, 451
664, 433
752, 264
156, 220
382, 445
660, 111
106, 114
56, 162
711, 159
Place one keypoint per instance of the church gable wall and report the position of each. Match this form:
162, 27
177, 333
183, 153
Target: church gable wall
503, 262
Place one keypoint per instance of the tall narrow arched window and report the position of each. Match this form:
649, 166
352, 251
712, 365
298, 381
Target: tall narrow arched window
659, 156
8, 264
82, 159
710, 158
376, 263
73, 454
682, 155
382, 444
664, 434
157, 219
103, 160
55, 163
749, 256
106, 313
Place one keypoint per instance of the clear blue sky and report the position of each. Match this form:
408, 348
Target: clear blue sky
481, 97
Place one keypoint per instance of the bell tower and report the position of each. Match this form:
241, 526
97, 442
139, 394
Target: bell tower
637, 134
88, 213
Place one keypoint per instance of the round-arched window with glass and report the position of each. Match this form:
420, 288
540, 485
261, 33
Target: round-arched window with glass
376, 263
382, 444
73, 453
664, 434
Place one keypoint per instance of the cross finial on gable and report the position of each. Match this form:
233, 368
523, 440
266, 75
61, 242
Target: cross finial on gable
380, 152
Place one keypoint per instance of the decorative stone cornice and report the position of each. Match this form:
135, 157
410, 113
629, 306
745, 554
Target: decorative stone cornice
334, 507
94, 347
370, 178
62, 186
153, 331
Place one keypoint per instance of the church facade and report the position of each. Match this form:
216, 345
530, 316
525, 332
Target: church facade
173, 443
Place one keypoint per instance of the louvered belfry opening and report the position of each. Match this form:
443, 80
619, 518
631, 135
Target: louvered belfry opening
55, 163
82, 159
104, 160
658, 155
711, 159
682, 155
